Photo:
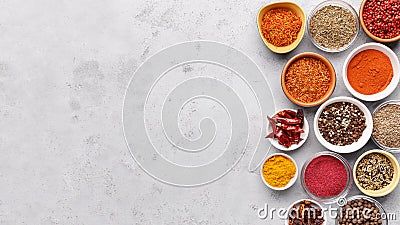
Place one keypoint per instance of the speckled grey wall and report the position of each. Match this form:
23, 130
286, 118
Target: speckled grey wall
64, 68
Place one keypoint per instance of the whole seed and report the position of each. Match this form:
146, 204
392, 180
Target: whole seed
333, 27
360, 211
387, 126
341, 123
382, 18
374, 172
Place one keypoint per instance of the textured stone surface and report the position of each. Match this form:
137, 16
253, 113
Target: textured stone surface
64, 67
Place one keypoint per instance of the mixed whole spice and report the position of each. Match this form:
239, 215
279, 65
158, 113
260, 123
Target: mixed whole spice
360, 211
278, 171
280, 26
386, 129
370, 72
333, 27
326, 176
382, 18
287, 127
374, 172
307, 79
342, 123
305, 213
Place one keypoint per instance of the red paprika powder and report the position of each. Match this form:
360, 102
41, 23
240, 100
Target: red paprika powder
370, 72
325, 176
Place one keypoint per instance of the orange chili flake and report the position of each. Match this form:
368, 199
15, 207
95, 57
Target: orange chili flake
307, 79
280, 26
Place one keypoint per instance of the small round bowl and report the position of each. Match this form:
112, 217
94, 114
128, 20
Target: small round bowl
313, 203
304, 135
333, 199
331, 86
294, 7
391, 150
333, 3
375, 38
291, 182
386, 190
377, 204
354, 146
396, 72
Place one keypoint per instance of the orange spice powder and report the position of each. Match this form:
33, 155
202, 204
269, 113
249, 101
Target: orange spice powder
370, 72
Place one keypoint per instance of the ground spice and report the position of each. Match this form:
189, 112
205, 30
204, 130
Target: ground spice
278, 171
370, 72
382, 18
341, 123
308, 79
325, 176
387, 126
374, 172
333, 27
280, 27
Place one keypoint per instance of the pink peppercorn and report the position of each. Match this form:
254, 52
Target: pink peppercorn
325, 176
382, 18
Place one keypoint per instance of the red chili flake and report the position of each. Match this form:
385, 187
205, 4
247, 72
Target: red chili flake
326, 176
382, 18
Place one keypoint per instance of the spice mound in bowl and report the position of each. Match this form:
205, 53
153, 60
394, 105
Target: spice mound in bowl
386, 132
376, 173
308, 79
279, 171
380, 19
288, 129
326, 177
361, 209
333, 26
281, 26
304, 212
371, 72
343, 124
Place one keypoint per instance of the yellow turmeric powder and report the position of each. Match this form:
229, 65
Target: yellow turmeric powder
278, 171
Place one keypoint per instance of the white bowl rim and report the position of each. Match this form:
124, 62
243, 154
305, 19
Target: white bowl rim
304, 135
301, 200
342, 4
396, 71
291, 182
356, 145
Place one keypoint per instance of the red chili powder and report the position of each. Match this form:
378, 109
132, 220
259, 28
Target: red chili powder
326, 176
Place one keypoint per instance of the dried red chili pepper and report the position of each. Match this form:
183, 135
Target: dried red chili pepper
283, 138
289, 121
287, 114
294, 128
287, 127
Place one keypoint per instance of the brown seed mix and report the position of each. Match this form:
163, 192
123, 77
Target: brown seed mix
307, 79
374, 172
360, 211
341, 123
387, 126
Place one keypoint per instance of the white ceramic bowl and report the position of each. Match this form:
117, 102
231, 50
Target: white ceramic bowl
313, 203
291, 182
396, 71
304, 135
356, 145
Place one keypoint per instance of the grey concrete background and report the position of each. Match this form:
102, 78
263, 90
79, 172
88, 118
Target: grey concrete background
64, 67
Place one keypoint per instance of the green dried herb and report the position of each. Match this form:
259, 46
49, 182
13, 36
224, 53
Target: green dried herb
333, 27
